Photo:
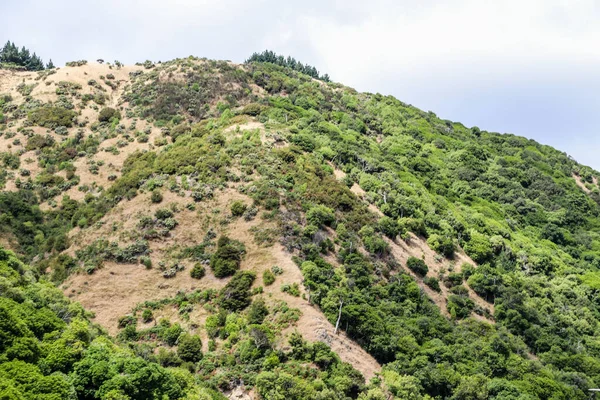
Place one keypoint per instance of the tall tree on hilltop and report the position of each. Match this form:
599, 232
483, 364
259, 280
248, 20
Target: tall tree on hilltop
11, 55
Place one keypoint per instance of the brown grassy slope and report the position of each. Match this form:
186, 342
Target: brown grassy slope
115, 289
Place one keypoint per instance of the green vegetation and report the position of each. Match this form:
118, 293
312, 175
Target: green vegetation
52, 117
49, 349
417, 265
509, 203
198, 271
226, 260
13, 58
238, 208
289, 62
235, 296
107, 114
268, 278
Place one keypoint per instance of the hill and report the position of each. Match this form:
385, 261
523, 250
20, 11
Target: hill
299, 237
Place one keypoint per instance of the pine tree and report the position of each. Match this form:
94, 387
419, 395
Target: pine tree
10, 54
50, 65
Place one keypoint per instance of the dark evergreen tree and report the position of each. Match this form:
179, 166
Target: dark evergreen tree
289, 62
13, 57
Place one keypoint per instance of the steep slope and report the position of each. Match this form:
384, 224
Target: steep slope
465, 262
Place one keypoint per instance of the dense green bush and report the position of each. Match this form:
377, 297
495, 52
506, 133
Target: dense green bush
235, 295
156, 196
238, 208
417, 265
198, 271
52, 117
320, 215
226, 260
107, 114
442, 244
147, 315
189, 348
433, 283
268, 278
257, 312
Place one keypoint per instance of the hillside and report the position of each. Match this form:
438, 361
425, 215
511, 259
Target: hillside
219, 220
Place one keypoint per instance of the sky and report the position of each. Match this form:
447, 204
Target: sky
527, 67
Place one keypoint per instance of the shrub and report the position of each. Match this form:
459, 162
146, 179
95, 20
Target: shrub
146, 262
190, 348
227, 258
238, 208
433, 283
257, 312
39, 142
127, 320
442, 244
163, 213
268, 278
389, 227
320, 215
252, 109
108, 113
171, 334
417, 265
235, 296
156, 196
479, 247
277, 270
453, 279
147, 315
198, 271
52, 117
459, 306
292, 289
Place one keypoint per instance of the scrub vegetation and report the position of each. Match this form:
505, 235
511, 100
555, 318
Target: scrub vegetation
465, 262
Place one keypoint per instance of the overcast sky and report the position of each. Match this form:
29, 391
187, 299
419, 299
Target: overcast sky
528, 67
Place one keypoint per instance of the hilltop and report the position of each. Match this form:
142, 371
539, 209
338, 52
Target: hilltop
304, 240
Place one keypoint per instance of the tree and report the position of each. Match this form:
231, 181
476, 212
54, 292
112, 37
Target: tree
226, 260
189, 348
12, 56
235, 296
417, 265
289, 62
257, 312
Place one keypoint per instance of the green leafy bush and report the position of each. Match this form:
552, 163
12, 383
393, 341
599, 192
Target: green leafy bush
257, 312
107, 114
156, 196
238, 208
198, 271
433, 283
417, 265
226, 260
189, 348
235, 296
442, 244
320, 215
147, 315
268, 278
52, 117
